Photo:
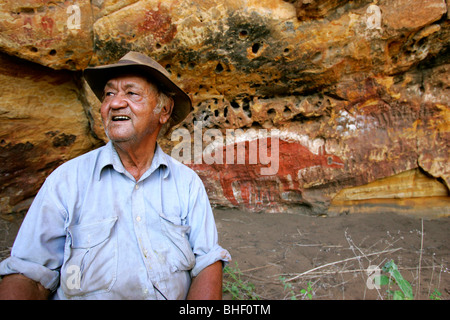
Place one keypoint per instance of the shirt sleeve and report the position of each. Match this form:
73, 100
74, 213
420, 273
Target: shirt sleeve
38, 250
203, 235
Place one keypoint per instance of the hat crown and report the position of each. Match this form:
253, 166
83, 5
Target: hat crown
142, 59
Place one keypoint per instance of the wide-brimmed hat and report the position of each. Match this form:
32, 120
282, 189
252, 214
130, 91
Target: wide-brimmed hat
135, 62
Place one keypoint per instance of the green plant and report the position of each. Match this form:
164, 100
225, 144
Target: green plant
288, 286
395, 277
436, 295
306, 293
238, 288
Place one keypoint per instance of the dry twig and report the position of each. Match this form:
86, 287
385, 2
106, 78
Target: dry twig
341, 261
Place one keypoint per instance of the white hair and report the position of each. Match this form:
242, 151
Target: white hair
163, 100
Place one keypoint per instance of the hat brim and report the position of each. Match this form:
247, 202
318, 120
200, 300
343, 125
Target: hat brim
97, 77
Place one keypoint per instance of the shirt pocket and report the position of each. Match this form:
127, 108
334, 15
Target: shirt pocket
91, 266
181, 256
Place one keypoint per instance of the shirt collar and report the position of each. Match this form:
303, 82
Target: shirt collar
109, 157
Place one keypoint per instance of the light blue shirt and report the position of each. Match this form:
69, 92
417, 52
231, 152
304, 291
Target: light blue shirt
93, 232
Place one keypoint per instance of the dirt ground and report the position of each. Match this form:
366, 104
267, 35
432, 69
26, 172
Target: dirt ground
332, 254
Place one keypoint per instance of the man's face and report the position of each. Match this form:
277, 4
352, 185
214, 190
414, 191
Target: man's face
128, 109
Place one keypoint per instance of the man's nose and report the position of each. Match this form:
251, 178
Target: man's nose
118, 101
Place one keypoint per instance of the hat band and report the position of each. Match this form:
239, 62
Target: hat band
124, 61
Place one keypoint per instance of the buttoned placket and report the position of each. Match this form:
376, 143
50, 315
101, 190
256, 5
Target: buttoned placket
140, 217
137, 211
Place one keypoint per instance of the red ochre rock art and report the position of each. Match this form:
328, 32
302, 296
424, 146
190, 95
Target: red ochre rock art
272, 174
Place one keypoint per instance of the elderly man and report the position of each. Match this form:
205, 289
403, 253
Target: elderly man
125, 221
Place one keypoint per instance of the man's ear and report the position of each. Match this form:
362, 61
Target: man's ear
166, 111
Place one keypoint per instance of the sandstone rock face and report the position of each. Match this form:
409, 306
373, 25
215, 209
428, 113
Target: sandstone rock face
412, 192
43, 124
353, 91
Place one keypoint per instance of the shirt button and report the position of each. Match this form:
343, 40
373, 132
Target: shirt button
138, 218
136, 186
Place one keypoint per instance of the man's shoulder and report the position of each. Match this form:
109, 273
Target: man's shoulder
181, 170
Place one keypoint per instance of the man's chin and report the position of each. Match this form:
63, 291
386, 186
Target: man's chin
118, 138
